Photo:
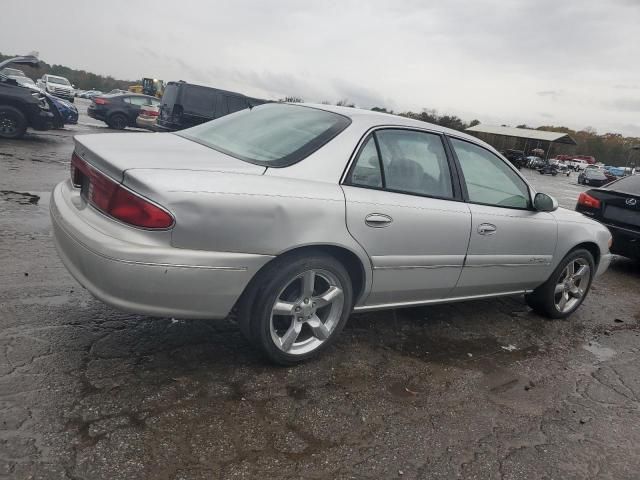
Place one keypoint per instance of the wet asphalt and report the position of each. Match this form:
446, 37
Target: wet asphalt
482, 390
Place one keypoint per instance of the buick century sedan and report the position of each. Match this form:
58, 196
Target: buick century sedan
295, 215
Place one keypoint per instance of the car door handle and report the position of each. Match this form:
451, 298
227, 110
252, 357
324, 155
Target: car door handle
378, 220
486, 229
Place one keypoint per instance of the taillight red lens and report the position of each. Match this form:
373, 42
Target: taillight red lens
113, 199
100, 101
587, 200
78, 168
134, 210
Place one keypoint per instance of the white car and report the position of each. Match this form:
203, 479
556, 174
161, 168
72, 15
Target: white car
57, 86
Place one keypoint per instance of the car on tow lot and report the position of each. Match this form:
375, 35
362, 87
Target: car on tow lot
121, 110
298, 214
57, 86
148, 117
21, 107
185, 105
593, 176
618, 207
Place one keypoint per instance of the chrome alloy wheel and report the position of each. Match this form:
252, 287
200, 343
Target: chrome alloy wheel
572, 284
306, 312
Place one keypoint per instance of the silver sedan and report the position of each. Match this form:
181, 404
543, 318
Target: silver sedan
297, 215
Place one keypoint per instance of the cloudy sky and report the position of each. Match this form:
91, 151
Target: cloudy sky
561, 62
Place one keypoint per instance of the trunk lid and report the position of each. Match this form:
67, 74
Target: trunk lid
116, 153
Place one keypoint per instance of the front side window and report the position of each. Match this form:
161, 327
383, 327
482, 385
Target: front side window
489, 180
415, 162
273, 135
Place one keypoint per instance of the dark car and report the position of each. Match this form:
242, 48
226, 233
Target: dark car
594, 177
185, 105
547, 168
119, 111
618, 207
516, 157
21, 107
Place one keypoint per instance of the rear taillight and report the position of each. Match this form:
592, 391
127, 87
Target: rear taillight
115, 200
587, 200
100, 101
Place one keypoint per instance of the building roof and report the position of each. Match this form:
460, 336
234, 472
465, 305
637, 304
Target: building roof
527, 133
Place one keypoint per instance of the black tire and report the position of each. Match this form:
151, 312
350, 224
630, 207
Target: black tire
117, 121
72, 99
255, 306
553, 174
543, 299
585, 181
13, 123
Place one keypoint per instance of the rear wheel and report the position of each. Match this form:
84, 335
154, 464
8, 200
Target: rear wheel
566, 288
296, 307
13, 123
117, 121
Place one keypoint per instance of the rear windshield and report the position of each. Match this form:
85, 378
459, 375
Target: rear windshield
629, 185
272, 135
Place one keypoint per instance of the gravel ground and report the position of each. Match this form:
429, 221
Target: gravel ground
484, 389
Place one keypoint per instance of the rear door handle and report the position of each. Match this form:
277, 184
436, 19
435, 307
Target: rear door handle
486, 229
378, 220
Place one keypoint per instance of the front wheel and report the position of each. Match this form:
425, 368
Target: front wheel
296, 307
13, 123
566, 288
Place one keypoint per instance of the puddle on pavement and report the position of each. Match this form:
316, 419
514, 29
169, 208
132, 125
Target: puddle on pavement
601, 352
21, 198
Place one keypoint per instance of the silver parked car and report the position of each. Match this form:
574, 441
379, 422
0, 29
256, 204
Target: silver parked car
299, 214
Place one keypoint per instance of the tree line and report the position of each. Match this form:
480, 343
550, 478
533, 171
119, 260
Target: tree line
82, 79
609, 148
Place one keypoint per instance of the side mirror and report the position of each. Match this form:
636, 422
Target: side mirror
545, 203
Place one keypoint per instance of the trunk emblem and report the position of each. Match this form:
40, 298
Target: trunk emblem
631, 202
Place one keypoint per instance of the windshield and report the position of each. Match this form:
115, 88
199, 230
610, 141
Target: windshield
13, 71
24, 80
58, 80
273, 135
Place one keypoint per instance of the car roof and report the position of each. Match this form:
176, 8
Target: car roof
375, 119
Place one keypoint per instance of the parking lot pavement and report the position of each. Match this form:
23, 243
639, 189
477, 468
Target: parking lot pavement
484, 389
563, 188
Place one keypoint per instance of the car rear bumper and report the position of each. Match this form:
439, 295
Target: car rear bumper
146, 122
147, 279
626, 242
95, 113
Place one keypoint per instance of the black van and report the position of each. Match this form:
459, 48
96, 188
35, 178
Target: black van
184, 105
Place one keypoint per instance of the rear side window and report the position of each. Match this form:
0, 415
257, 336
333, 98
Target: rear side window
139, 101
415, 162
409, 162
273, 135
198, 100
489, 180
